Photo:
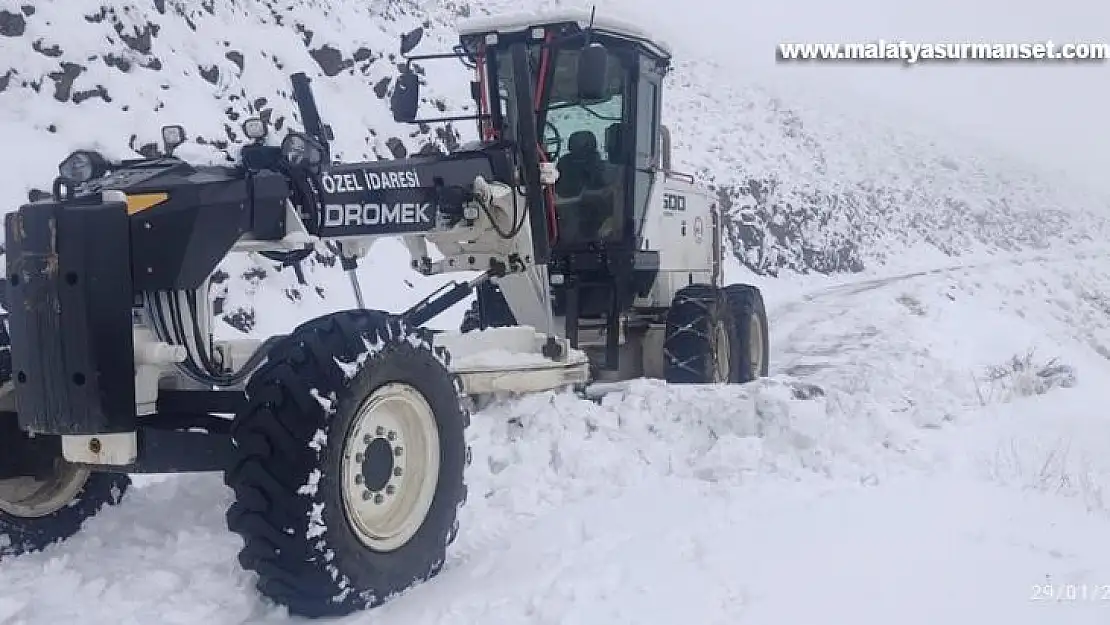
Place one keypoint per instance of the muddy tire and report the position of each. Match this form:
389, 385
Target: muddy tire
351, 464
710, 333
53, 506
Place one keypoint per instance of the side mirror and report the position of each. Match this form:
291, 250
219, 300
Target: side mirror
406, 98
411, 39
593, 72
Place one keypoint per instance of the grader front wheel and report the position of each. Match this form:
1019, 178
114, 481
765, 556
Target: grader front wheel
352, 455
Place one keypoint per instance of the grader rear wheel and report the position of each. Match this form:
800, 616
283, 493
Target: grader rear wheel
38, 512
44, 500
749, 314
716, 335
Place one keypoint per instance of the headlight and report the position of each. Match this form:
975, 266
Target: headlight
301, 150
82, 166
172, 136
255, 129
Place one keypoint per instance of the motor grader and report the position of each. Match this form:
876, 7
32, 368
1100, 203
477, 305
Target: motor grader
592, 259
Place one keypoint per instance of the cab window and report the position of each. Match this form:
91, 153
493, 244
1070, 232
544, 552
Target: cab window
585, 140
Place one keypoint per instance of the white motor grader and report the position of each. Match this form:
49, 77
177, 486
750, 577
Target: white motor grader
344, 441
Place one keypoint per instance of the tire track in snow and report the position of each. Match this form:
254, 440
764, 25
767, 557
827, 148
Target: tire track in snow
796, 351
862, 286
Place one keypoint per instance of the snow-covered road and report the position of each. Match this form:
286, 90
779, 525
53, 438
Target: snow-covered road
917, 485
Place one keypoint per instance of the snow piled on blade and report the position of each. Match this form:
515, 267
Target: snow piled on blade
651, 431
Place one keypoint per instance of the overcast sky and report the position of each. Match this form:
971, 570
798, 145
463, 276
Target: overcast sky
1052, 114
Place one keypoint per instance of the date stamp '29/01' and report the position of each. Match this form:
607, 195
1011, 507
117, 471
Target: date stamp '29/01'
1068, 593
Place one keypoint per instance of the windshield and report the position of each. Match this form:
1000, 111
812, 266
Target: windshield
564, 84
566, 112
584, 138
597, 119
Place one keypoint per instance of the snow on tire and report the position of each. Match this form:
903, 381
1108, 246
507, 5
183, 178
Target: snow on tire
351, 461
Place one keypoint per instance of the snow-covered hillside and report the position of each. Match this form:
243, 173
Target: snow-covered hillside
813, 189
809, 189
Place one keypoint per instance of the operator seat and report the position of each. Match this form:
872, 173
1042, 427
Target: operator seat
580, 198
581, 168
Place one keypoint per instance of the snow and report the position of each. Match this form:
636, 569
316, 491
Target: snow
784, 555
932, 445
813, 184
898, 482
499, 358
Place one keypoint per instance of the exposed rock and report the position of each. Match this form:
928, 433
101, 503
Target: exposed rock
396, 147
306, 34
770, 233
236, 57
330, 60
142, 40
12, 24
448, 136
211, 74
63, 80
241, 319
118, 62
53, 51
381, 88
98, 92
254, 275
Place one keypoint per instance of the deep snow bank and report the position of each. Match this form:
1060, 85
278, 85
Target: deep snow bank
994, 372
